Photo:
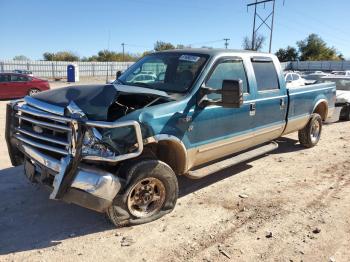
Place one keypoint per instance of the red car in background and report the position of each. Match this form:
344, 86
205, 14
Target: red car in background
14, 85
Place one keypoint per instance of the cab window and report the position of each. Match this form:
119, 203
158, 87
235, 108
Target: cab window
265, 75
230, 69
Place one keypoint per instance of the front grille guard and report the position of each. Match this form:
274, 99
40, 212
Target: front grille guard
87, 123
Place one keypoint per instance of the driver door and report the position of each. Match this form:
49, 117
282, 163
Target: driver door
215, 131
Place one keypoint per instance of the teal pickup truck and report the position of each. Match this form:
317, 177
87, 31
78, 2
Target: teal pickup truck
118, 148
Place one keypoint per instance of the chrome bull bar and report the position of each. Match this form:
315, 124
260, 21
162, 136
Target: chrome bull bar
31, 110
96, 182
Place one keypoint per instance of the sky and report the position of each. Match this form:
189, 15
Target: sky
32, 27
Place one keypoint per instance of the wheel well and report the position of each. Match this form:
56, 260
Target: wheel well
169, 152
322, 110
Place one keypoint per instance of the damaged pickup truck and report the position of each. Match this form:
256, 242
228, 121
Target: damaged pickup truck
118, 148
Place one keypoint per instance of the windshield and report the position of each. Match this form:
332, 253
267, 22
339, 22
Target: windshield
169, 72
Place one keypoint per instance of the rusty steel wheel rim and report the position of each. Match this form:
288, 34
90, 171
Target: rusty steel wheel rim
315, 131
33, 92
146, 197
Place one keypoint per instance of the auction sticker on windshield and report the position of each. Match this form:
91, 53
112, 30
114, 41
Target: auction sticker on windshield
190, 58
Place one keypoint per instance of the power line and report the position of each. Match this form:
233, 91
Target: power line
318, 20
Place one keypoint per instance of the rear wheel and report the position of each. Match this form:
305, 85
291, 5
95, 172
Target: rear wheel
345, 113
151, 192
33, 91
311, 133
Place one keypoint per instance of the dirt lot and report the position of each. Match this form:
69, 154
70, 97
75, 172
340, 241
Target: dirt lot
291, 205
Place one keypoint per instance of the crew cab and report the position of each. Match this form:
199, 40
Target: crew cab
119, 148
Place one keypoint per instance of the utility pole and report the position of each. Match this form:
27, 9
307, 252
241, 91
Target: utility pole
263, 21
226, 42
272, 20
253, 35
123, 45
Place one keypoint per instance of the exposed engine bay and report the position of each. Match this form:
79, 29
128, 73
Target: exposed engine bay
127, 103
105, 102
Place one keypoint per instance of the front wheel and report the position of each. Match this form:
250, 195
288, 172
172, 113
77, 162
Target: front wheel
33, 91
311, 133
151, 192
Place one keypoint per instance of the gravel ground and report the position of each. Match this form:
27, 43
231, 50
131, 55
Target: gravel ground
290, 205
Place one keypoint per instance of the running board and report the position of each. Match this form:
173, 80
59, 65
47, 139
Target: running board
218, 166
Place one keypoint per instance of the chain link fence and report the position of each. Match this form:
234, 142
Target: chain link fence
58, 69
317, 65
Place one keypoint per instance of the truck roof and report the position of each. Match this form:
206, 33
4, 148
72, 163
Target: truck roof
217, 51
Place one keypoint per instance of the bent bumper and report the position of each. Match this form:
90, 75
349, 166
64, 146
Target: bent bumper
92, 188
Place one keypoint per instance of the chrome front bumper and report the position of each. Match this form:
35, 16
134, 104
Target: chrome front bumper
90, 181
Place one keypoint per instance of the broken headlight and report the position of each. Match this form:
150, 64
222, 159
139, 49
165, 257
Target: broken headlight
93, 145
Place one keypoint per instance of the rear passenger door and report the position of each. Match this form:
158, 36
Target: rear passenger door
269, 107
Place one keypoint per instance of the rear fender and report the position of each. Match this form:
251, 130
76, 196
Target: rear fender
321, 108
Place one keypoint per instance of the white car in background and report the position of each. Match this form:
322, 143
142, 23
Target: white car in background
315, 76
144, 78
294, 80
343, 93
23, 72
341, 73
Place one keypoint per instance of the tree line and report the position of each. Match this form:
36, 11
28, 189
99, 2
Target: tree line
312, 48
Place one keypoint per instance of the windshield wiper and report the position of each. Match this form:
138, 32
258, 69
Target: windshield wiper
120, 82
143, 85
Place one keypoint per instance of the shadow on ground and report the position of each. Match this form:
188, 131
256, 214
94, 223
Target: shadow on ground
29, 220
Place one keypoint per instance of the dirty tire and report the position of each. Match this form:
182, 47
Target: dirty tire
311, 133
345, 113
33, 91
138, 177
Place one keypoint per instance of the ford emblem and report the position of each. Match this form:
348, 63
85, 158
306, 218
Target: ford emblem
38, 129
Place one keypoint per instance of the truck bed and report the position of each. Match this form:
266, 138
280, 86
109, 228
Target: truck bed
303, 101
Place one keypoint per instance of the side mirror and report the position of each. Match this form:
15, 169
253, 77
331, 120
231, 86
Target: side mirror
231, 94
119, 73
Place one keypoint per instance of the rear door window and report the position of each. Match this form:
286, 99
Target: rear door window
265, 74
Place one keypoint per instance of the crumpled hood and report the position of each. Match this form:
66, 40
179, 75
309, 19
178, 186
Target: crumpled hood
94, 100
343, 96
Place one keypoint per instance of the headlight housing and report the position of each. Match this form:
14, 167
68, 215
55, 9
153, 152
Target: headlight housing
93, 145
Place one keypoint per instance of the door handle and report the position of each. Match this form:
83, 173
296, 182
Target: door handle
282, 103
252, 109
